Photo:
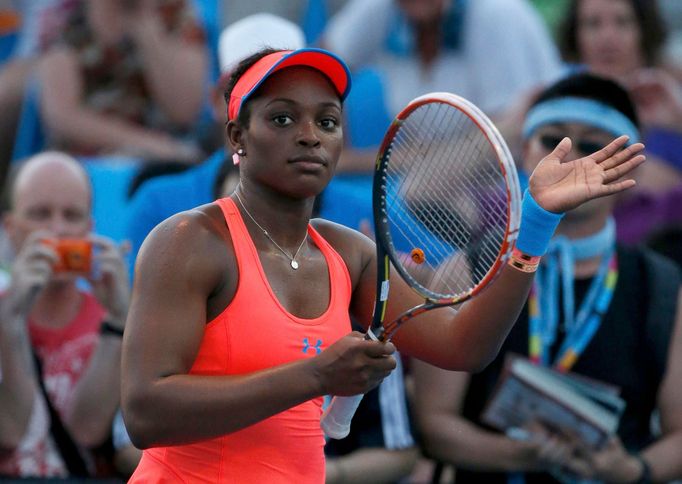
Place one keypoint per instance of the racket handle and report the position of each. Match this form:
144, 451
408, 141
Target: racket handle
338, 415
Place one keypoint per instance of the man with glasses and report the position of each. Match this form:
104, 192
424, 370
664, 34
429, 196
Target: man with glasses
597, 309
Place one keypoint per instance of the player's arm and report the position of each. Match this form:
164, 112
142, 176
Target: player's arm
436, 336
181, 266
469, 338
465, 340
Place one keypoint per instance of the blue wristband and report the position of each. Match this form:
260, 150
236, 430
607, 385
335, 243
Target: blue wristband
537, 226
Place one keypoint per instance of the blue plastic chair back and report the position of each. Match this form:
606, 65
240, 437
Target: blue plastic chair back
8, 42
110, 177
367, 117
208, 14
30, 137
314, 20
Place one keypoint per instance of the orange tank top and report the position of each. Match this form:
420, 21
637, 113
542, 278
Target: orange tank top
253, 333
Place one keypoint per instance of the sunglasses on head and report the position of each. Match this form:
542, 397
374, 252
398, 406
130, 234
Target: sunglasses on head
549, 142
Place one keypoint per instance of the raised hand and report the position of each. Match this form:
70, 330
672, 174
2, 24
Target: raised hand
559, 185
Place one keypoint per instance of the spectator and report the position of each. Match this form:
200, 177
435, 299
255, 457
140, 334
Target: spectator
671, 11
624, 39
60, 346
414, 47
161, 197
16, 72
310, 15
637, 345
113, 85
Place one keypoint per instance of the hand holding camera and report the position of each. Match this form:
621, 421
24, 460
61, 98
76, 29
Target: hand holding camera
44, 257
109, 278
73, 255
31, 271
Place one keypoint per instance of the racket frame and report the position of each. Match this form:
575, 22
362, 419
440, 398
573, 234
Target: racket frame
386, 252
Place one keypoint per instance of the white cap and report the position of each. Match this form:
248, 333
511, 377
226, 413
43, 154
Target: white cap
253, 33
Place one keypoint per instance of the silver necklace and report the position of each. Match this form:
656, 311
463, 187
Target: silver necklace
293, 262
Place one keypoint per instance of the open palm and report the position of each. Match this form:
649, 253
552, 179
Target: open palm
558, 185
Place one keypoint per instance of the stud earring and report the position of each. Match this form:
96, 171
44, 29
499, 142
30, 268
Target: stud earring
236, 156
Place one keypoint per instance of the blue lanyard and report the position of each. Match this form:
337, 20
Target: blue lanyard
542, 335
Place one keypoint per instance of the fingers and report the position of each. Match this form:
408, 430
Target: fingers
562, 149
355, 365
35, 258
379, 361
109, 256
617, 172
610, 149
610, 185
622, 156
579, 466
107, 244
376, 349
554, 451
618, 164
109, 262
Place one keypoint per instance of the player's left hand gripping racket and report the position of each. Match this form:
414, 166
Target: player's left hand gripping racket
446, 203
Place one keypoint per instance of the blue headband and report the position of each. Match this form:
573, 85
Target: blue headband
580, 110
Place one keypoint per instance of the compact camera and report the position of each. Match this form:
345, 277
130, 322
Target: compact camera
75, 255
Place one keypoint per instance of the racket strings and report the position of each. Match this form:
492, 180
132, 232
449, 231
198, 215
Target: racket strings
446, 199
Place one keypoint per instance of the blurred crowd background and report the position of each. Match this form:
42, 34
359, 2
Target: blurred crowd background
132, 89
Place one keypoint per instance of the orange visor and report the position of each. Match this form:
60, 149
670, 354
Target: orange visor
325, 62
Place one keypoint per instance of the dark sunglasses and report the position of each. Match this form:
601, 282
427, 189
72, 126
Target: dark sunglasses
549, 142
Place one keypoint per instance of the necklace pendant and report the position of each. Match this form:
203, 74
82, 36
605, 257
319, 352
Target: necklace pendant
294, 264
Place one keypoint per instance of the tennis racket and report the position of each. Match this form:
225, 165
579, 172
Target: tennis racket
446, 204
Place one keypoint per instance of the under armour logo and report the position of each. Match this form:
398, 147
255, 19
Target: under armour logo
317, 347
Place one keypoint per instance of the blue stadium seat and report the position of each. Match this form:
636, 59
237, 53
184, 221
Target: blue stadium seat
348, 197
208, 13
110, 176
30, 137
365, 108
8, 42
314, 20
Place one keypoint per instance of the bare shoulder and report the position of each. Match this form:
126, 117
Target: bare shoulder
356, 249
194, 244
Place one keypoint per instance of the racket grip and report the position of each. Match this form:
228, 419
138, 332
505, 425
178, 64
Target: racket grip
338, 415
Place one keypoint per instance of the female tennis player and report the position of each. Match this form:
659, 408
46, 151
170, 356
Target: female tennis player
240, 316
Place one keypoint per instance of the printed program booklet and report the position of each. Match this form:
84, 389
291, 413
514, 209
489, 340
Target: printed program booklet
572, 403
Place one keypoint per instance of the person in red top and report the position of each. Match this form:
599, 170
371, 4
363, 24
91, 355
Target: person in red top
240, 315
60, 346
